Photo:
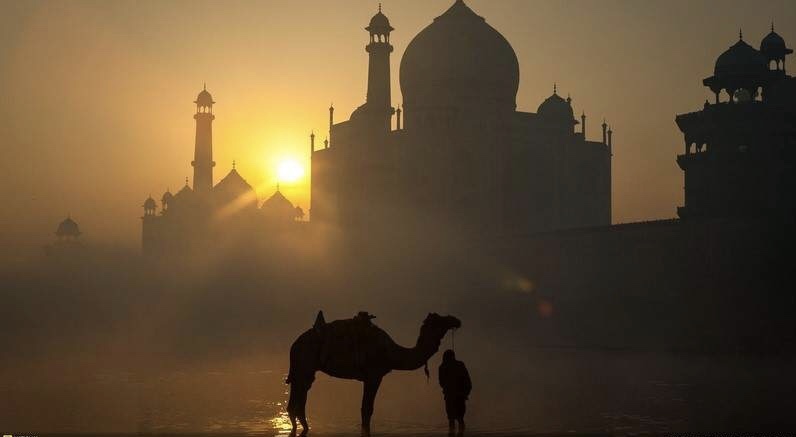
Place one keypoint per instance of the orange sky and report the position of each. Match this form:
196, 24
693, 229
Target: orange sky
96, 109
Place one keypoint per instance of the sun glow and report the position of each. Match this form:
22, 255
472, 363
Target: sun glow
289, 171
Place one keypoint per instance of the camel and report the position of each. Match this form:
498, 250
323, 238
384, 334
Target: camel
356, 349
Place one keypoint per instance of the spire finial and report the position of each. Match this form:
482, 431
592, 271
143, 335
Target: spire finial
740, 34
772, 25
379, 7
555, 88
204, 86
186, 181
233, 164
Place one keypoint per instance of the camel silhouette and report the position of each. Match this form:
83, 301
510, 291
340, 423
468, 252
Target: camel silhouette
356, 349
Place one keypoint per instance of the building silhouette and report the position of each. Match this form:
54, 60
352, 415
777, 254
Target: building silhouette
739, 150
458, 152
67, 239
205, 214
67, 231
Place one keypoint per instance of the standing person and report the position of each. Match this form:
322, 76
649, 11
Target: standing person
456, 386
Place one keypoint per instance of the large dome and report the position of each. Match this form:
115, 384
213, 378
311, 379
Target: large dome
458, 60
740, 60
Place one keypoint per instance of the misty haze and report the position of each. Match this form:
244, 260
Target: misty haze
414, 217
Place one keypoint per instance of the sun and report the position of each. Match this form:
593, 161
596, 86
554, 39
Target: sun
289, 171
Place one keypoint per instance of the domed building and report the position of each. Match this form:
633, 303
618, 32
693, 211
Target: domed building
457, 151
197, 217
68, 230
739, 158
278, 209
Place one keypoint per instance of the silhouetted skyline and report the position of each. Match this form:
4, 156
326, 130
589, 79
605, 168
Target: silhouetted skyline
96, 112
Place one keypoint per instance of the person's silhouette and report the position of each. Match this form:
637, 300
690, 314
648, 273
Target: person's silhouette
456, 386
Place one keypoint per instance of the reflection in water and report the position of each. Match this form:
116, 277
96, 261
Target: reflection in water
281, 422
542, 391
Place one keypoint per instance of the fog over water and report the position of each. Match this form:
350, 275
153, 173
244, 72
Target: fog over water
108, 341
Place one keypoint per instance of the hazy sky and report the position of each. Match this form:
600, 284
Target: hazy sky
96, 107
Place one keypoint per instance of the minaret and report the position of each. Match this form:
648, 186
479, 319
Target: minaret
331, 125
379, 49
203, 149
583, 124
398, 118
610, 141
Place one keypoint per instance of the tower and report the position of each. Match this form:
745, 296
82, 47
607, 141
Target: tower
203, 149
379, 49
738, 156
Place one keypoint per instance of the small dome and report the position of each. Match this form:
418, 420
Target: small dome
556, 108
740, 60
379, 23
773, 46
149, 203
68, 228
233, 179
167, 197
277, 200
185, 192
204, 98
278, 207
233, 189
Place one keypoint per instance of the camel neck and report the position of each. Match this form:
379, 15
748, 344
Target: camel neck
415, 357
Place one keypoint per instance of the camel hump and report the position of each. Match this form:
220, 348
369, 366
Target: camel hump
320, 321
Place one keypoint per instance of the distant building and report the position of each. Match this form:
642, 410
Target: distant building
68, 231
202, 215
459, 152
740, 150
67, 239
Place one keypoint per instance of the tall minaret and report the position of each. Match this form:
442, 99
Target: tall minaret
203, 149
379, 50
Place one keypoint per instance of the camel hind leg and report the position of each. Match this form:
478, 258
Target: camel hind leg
297, 404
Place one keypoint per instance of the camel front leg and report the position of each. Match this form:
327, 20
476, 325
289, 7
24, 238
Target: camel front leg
368, 399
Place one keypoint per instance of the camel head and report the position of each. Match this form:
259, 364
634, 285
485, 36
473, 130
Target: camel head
437, 325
